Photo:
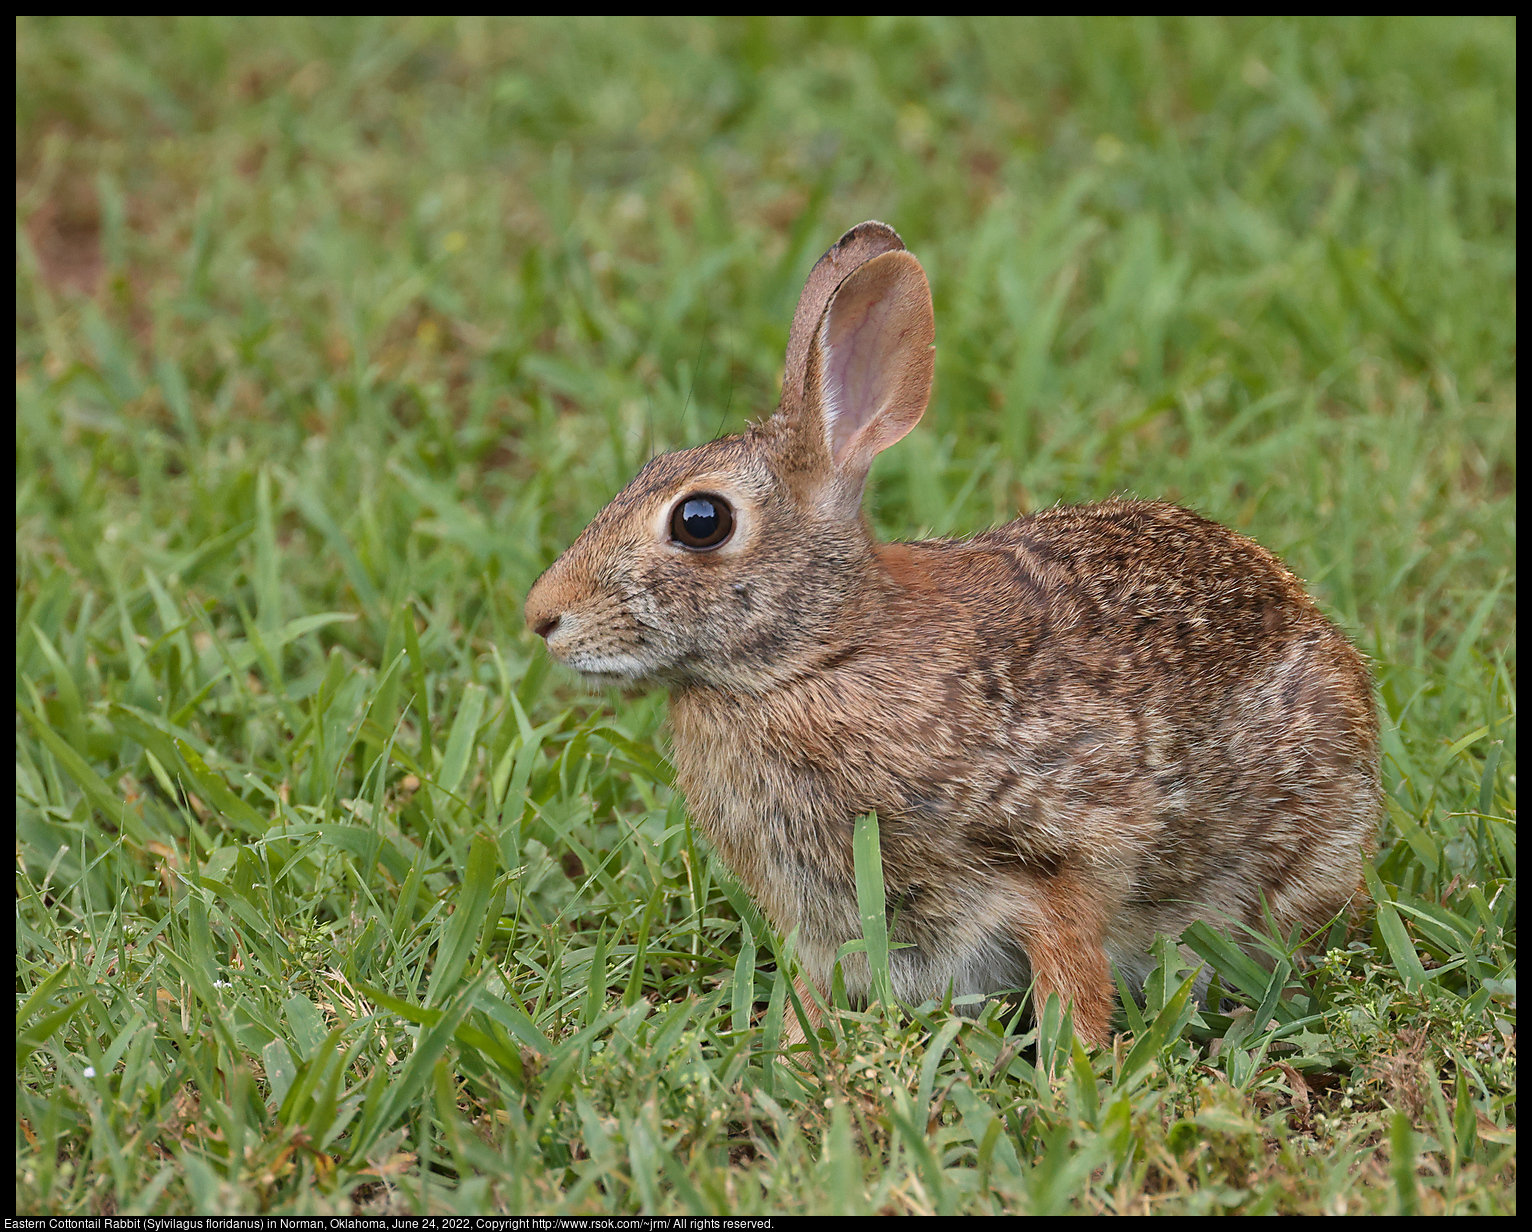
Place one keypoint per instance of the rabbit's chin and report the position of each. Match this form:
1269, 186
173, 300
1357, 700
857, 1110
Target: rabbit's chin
600, 681
613, 672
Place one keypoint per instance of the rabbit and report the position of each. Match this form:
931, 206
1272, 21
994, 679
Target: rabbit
1093, 725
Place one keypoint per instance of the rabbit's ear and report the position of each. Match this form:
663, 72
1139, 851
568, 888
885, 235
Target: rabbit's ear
870, 364
860, 244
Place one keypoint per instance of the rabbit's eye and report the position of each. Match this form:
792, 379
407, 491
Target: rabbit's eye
701, 521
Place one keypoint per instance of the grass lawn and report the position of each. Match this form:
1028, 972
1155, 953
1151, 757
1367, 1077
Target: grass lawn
334, 895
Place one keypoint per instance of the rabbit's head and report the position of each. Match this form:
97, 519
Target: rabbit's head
727, 563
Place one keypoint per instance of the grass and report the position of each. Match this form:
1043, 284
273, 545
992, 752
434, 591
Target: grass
333, 896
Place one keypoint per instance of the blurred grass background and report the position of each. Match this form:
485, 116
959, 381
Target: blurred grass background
331, 334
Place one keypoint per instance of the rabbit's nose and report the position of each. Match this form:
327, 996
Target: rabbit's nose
550, 598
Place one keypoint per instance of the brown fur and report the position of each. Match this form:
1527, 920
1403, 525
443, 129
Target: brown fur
1089, 726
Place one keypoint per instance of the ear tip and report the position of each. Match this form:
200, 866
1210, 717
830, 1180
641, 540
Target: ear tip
872, 229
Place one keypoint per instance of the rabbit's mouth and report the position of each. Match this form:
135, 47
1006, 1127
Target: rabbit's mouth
604, 671
607, 680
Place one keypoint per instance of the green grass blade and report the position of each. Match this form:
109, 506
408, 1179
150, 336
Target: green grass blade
460, 741
1166, 1027
461, 936
41, 993
742, 995
394, 1099
868, 858
1396, 939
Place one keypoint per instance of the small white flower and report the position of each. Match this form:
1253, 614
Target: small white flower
90, 1071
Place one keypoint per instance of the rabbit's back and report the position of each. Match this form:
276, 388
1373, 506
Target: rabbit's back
1159, 610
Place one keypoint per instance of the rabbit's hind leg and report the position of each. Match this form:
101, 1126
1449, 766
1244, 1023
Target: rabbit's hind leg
792, 1025
1062, 933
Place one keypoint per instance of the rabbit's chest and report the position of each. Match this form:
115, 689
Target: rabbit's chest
780, 812
770, 824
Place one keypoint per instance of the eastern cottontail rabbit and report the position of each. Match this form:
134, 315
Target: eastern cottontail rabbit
1095, 724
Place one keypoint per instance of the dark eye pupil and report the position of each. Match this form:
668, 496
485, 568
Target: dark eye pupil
701, 521
701, 518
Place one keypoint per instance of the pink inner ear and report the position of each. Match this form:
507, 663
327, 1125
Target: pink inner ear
875, 351
858, 375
